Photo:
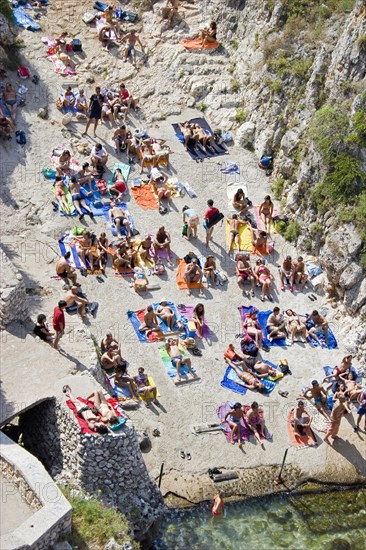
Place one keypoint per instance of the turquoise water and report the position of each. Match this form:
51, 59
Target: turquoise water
328, 521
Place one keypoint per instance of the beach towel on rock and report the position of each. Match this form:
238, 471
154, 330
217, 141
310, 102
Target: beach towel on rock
112, 226
231, 381
259, 221
196, 44
245, 238
297, 440
84, 428
199, 153
332, 342
22, 19
145, 197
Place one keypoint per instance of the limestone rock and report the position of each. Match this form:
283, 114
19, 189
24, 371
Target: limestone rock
245, 133
350, 276
43, 113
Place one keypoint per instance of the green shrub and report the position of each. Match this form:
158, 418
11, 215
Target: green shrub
361, 42
93, 524
240, 115
292, 231
280, 65
276, 86
5, 10
300, 68
181, 74
315, 229
358, 135
235, 44
277, 188
280, 226
328, 129
231, 69
235, 85
202, 106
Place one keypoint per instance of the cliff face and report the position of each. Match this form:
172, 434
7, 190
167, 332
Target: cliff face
284, 71
8, 34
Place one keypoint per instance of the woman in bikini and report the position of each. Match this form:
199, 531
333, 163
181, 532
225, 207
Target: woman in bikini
199, 319
264, 278
60, 195
235, 415
352, 388
69, 98
10, 99
209, 269
209, 34
253, 328
147, 155
240, 202
255, 421
63, 163
294, 326
266, 214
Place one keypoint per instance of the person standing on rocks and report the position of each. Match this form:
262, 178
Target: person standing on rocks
95, 110
339, 408
131, 39
59, 321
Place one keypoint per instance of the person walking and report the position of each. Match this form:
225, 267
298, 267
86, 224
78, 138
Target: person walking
59, 322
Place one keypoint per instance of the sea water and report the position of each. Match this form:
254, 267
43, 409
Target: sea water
333, 520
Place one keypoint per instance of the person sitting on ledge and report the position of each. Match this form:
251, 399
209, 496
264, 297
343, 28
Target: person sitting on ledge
110, 359
235, 415
66, 271
302, 420
108, 341
41, 329
144, 387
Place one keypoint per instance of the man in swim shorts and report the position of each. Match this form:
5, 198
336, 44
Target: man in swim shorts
172, 347
151, 321
319, 394
118, 216
65, 270
193, 274
143, 386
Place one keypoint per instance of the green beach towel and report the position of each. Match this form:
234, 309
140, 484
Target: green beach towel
125, 169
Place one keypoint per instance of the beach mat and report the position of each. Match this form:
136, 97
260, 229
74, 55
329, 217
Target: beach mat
186, 313
244, 430
182, 285
245, 237
65, 246
145, 197
299, 441
331, 338
196, 44
200, 153
170, 369
60, 67
112, 226
125, 169
262, 317
124, 392
136, 318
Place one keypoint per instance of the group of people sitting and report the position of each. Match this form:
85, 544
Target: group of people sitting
253, 419
193, 132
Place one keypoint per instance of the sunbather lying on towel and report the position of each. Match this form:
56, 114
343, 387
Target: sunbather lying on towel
235, 415
95, 420
78, 199
235, 224
248, 379
172, 347
118, 216
353, 389
166, 314
158, 181
240, 202
294, 326
10, 99
65, 270
60, 195
253, 328
143, 387
262, 368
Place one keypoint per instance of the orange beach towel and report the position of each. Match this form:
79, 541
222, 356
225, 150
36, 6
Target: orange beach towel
182, 285
196, 44
299, 441
145, 197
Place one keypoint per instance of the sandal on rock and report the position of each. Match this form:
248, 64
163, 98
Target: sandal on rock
188, 455
283, 393
197, 352
156, 433
182, 454
66, 388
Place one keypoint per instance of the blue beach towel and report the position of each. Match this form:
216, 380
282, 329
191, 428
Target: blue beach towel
230, 168
22, 19
112, 226
136, 322
66, 247
262, 320
117, 390
200, 154
331, 338
231, 381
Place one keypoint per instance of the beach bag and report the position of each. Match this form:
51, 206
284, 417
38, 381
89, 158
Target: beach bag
77, 230
216, 218
23, 72
101, 186
283, 367
227, 137
185, 229
49, 173
248, 347
221, 277
76, 45
159, 269
20, 137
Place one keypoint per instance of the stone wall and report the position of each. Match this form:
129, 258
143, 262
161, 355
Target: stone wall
110, 465
13, 299
52, 512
